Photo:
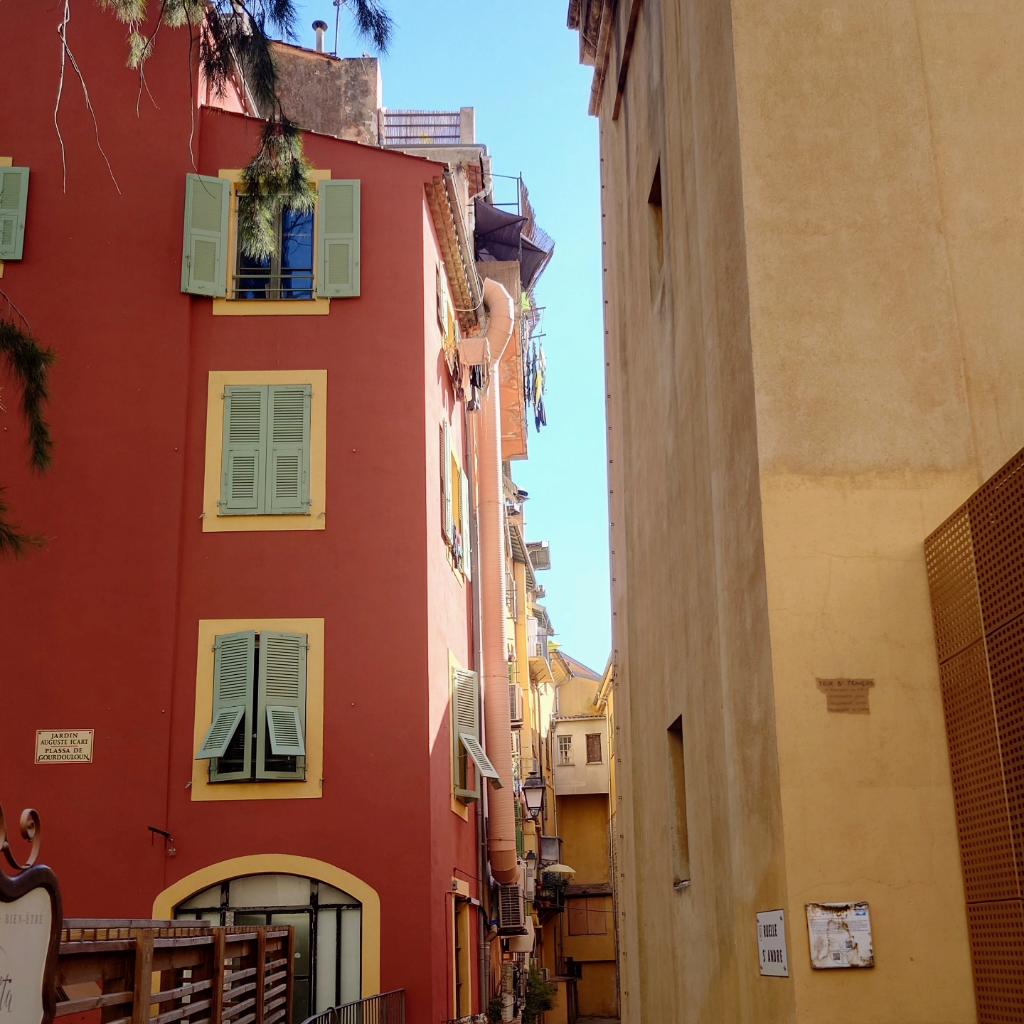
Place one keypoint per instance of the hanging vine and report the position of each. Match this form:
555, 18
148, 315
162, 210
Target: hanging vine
233, 37
30, 364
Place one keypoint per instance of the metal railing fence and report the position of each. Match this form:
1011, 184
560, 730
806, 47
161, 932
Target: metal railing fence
386, 1008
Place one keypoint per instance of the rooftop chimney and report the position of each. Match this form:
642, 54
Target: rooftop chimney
320, 28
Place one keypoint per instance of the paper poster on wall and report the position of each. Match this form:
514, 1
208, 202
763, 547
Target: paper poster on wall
840, 935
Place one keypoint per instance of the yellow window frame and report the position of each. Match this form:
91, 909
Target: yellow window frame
317, 518
309, 789
265, 307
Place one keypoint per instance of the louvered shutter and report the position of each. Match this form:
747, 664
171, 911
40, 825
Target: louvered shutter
228, 743
444, 457
204, 255
466, 722
244, 457
467, 524
13, 204
281, 708
288, 457
338, 239
449, 511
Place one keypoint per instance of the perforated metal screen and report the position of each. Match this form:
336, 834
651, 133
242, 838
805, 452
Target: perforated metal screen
975, 566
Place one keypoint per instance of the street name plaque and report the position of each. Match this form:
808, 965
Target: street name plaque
64, 746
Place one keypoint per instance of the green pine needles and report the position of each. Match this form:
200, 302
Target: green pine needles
234, 39
30, 363
277, 178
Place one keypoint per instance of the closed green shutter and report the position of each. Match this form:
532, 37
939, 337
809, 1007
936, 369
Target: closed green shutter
337, 222
228, 744
467, 521
13, 204
281, 707
244, 456
204, 254
288, 460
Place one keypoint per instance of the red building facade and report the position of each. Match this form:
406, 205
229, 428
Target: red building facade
336, 816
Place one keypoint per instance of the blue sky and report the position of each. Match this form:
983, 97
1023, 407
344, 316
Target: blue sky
517, 64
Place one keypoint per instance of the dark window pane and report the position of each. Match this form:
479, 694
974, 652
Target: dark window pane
296, 255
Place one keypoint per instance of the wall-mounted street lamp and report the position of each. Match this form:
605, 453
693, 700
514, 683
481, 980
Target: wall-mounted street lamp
533, 792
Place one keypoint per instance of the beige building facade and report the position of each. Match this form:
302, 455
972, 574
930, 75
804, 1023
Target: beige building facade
814, 243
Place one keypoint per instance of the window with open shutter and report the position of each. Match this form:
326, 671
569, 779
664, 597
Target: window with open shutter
265, 459
13, 205
467, 516
338, 239
204, 253
228, 742
466, 735
281, 706
445, 457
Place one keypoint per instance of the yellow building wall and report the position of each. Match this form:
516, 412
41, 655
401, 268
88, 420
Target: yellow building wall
827, 350
583, 826
595, 990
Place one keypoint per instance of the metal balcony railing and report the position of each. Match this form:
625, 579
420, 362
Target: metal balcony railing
386, 1008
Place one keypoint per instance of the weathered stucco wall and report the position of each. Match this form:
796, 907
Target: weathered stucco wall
331, 95
881, 169
689, 598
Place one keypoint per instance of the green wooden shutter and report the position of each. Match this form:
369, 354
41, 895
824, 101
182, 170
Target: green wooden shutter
467, 519
204, 255
281, 706
228, 743
445, 466
337, 229
466, 732
244, 455
449, 512
288, 457
13, 204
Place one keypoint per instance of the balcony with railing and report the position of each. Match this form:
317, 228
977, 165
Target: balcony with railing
402, 129
386, 1008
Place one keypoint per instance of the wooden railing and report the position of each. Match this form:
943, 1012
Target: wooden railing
159, 972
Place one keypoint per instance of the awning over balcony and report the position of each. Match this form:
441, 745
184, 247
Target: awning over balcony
504, 236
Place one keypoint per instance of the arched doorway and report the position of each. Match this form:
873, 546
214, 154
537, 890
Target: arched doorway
328, 930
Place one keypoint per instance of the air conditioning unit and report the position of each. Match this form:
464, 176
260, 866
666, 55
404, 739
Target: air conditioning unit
511, 910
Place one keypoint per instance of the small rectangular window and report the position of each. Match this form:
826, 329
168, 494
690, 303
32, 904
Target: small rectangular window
677, 791
588, 917
565, 750
594, 748
258, 719
265, 455
656, 232
287, 272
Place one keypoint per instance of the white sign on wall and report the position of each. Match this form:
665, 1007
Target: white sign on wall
772, 956
64, 746
24, 937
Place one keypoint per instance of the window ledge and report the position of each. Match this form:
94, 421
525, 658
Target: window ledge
271, 307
